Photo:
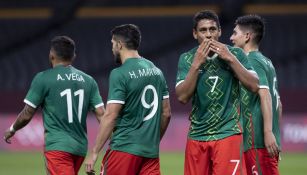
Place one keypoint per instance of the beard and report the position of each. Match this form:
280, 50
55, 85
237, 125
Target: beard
117, 58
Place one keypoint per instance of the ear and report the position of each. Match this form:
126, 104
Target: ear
194, 34
248, 37
220, 32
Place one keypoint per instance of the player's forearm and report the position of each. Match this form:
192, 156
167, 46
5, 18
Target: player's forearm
185, 90
24, 117
266, 109
105, 130
166, 117
247, 78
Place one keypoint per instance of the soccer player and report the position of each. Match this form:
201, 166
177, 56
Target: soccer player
137, 111
260, 111
65, 95
210, 75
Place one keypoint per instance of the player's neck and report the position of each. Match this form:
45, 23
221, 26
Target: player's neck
63, 63
129, 54
250, 48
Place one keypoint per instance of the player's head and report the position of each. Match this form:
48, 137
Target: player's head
248, 29
125, 37
62, 49
206, 25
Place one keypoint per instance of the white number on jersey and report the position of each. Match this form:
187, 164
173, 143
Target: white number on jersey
153, 104
80, 93
215, 78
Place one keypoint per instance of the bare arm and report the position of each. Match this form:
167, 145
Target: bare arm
99, 112
24, 117
266, 108
246, 77
166, 116
106, 127
185, 90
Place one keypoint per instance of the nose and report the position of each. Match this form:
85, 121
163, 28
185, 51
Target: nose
208, 34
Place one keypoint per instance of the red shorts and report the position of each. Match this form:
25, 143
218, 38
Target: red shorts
218, 157
121, 163
259, 162
62, 163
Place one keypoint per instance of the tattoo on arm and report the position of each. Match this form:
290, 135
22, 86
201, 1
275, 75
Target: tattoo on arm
24, 117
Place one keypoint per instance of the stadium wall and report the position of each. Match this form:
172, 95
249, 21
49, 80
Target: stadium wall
31, 138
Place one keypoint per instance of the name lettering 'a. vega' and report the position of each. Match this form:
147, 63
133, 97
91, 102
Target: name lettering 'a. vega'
70, 77
144, 72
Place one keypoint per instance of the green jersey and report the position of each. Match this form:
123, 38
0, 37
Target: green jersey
140, 87
251, 107
65, 95
215, 103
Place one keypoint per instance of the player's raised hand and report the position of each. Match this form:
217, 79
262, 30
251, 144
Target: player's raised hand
222, 50
8, 134
202, 53
90, 163
270, 144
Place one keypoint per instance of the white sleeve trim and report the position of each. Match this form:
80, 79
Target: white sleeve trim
252, 71
264, 87
99, 105
116, 101
179, 83
29, 103
165, 97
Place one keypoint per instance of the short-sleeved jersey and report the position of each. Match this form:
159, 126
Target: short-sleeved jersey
140, 87
215, 103
65, 95
251, 107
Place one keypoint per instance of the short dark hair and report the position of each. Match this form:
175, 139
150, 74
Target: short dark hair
130, 34
206, 14
254, 23
64, 47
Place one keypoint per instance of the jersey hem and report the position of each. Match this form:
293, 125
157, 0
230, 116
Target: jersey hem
70, 152
136, 153
207, 140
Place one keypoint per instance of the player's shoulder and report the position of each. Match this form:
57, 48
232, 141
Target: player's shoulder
85, 75
188, 55
258, 57
235, 50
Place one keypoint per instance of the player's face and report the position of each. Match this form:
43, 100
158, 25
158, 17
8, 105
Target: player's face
239, 38
115, 50
206, 28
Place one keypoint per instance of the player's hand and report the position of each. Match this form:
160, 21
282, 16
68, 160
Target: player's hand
90, 163
270, 144
7, 136
202, 53
222, 50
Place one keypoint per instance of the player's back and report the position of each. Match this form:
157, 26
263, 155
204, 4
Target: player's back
251, 109
141, 86
66, 96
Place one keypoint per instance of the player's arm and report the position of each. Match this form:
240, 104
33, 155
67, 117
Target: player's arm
99, 112
266, 109
185, 89
166, 116
24, 117
248, 78
106, 127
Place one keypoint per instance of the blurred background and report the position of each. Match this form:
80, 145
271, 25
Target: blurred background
27, 26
